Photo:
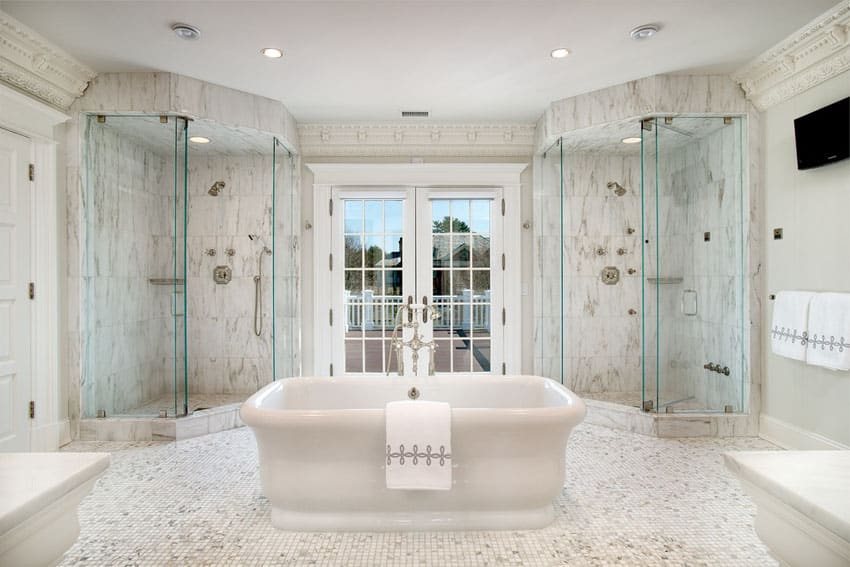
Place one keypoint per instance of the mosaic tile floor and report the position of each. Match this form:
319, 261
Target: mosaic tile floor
629, 500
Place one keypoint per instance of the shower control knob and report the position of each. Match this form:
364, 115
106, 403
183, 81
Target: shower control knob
725, 371
631, 271
710, 366
621, 251
600, 251
632, 312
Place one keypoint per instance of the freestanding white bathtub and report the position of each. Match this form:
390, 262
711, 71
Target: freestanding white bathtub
322, 451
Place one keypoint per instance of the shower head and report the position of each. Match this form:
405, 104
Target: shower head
216, 188
259, 240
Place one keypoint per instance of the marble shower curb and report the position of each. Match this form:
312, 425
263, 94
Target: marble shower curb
201, 422
617, 416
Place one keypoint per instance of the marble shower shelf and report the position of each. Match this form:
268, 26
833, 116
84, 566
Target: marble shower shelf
166, 281
665, 281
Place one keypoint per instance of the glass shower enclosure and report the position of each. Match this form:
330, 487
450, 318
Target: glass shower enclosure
190, 272
640, 288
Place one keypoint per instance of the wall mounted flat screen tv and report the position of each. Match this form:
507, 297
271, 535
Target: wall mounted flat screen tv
823, 136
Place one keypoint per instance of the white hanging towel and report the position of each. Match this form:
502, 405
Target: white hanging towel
789, 328
419, 446
829, 331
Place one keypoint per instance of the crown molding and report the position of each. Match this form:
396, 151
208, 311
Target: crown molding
813, 54
421, 139
29, 62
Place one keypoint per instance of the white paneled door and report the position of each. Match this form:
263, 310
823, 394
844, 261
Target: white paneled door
15, 305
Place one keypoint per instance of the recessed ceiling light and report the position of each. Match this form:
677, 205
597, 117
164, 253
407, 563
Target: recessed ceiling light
645, 31
560, 53
272, 52
631, 140
185, 31
199, 140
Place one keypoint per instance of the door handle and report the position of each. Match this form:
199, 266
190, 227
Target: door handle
424, 308
410, 309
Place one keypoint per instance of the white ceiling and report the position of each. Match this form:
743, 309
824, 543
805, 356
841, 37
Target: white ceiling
462, 60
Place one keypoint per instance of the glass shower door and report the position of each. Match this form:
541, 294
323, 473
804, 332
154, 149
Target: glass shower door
133, 274
694, 289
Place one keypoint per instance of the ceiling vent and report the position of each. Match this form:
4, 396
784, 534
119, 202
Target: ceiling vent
414, 114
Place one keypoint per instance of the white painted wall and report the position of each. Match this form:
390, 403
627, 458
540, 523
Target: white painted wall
307, 260
813, 208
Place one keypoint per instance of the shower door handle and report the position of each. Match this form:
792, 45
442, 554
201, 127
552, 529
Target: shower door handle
424, 308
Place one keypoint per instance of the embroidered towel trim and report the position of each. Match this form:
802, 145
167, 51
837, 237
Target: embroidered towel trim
789, 334
419, 450
829, 331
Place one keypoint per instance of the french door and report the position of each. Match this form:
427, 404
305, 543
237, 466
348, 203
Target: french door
440, 247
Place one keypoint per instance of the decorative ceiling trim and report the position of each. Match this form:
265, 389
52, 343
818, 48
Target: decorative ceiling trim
422, 139
29, 62
815, 53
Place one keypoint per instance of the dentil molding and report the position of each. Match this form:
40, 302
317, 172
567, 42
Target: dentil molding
32, 64
810, 56
420, 139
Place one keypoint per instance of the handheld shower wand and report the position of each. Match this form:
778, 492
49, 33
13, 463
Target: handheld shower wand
258, 284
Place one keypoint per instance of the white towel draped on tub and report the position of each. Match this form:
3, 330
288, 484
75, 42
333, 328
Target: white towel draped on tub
829, 331
419, 446
788, 330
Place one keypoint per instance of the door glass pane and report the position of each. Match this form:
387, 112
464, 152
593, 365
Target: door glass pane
461, 243
373, 281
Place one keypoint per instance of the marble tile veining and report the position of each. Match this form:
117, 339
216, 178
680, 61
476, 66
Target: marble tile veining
628, 500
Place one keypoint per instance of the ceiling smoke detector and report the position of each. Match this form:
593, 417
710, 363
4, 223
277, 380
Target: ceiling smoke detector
645, 31
185, 31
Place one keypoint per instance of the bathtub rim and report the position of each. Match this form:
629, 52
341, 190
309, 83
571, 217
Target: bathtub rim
571, 413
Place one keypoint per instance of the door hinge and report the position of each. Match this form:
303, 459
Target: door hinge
32, 409
32, 172
503, 262
504, 369
503, 207
504, 316
331, 207
331, 317
330, 262
331, 369
31, 290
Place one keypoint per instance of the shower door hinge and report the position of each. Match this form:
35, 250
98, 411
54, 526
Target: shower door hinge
331, 317
32, 172
331, 369
503, 262
504, 316
331, 207
330, 262
647, 124
32, 409
504, 369
31, 290
503, 207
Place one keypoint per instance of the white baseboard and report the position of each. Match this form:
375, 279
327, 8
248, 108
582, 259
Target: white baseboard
51, 436
790, 436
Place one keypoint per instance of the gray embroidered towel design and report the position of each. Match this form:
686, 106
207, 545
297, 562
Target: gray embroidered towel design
788, 330
419, 450
828, 342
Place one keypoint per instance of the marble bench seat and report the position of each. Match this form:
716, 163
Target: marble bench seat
39, 495
803, 501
